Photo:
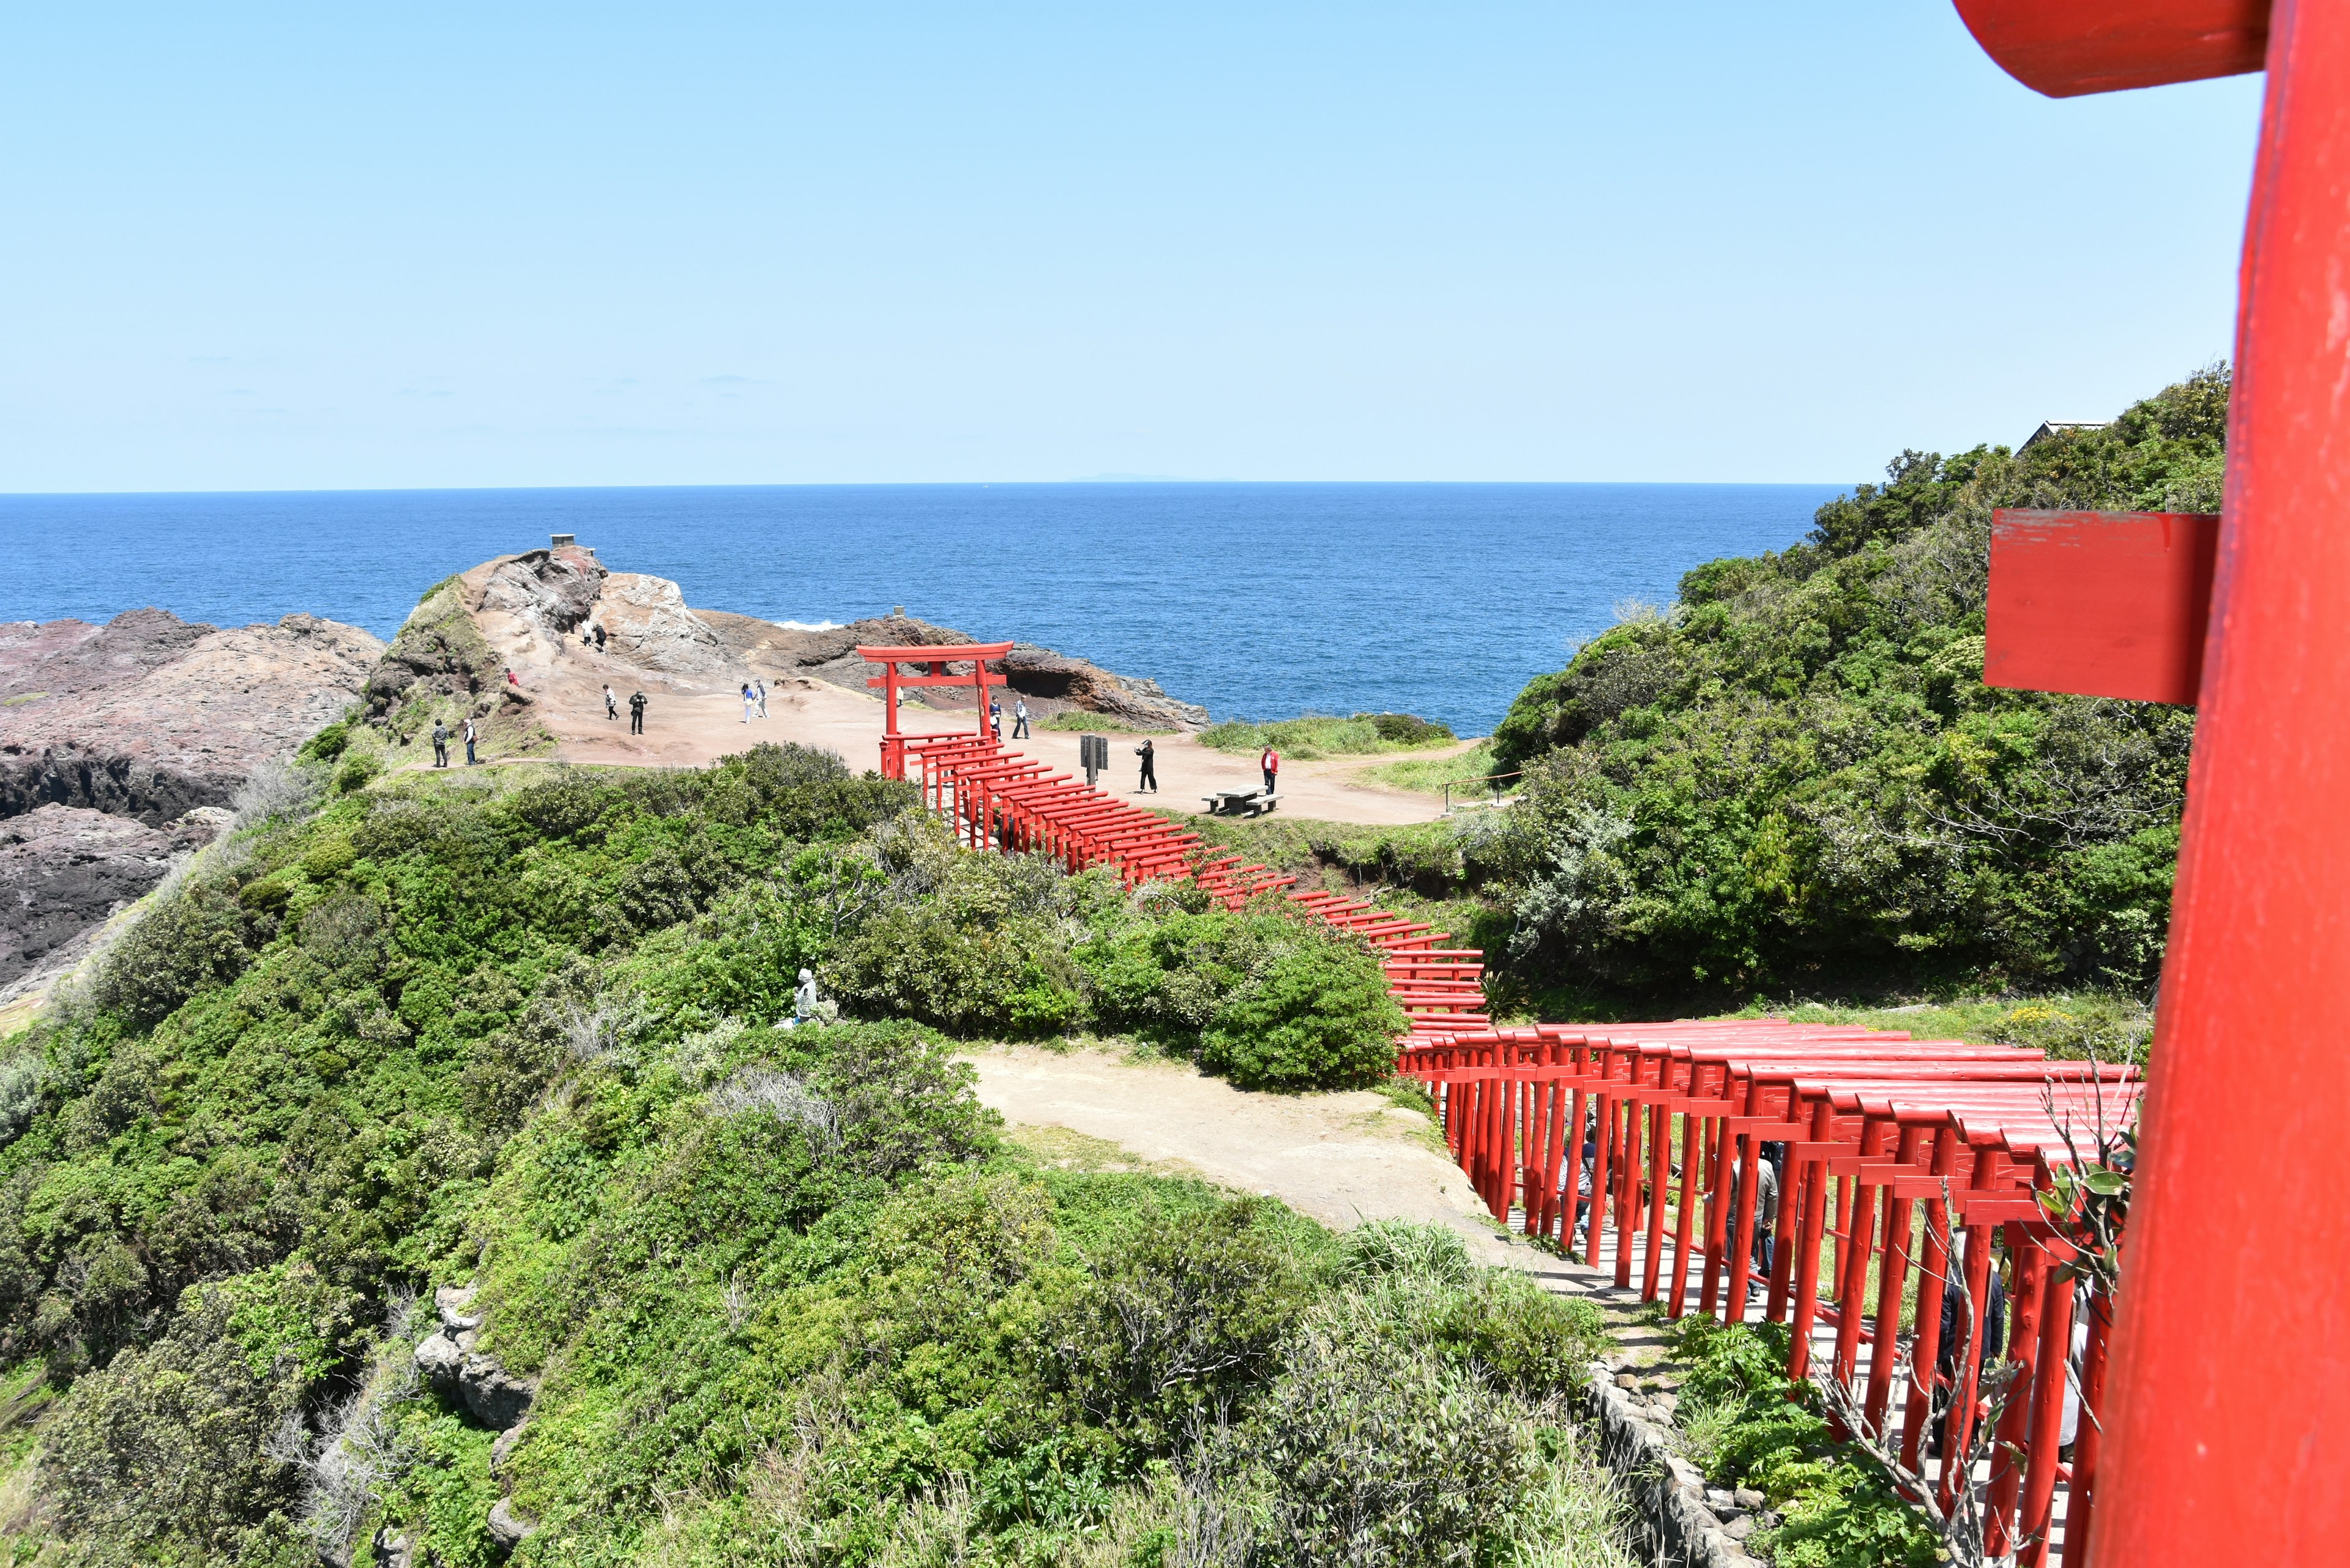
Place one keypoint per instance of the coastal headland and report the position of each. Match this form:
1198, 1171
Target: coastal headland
535, 614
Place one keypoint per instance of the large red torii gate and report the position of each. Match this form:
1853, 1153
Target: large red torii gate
933, 659
2229, 1431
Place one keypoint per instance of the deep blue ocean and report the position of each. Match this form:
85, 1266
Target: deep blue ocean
1259, 600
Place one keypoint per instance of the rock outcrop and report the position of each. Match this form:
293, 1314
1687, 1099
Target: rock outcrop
150, 717
65, 869
1052, 681
121, 746
522, 612
645, 621
460, 1373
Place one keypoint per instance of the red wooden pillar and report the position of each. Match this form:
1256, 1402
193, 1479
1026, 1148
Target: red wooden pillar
1685, 1222
2047, 1424
2015, 1421
1807, 1248
2242, 1159
2081, 1497
1933, 1279
2239, 1209
1892, 1274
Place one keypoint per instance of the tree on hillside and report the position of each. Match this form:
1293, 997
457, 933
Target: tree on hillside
1795, 772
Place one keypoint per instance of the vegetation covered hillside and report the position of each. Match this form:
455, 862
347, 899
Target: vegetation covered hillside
1795, 774
427, 1179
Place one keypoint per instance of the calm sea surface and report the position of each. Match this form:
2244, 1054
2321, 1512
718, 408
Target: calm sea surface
1260, 600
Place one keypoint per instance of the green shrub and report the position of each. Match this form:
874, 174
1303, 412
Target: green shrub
1324, 735
358, 769
193, 939
328, 743
1314, 1016
160, 1456
1841, 1510
1181, 1323
1796, 773
1378, 1454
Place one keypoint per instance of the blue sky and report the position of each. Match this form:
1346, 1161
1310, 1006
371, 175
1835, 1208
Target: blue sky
284, 247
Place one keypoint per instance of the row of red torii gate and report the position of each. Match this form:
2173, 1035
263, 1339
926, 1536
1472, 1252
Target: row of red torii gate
1890, 1146
1892, 1149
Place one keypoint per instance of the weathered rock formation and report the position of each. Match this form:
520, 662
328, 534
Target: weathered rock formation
1052, 681
121, 744
148, 716
460, 1373
65, 869
517, 612
453, 1365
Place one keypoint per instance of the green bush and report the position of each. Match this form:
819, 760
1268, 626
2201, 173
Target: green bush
1840, 1510
358, 769
1795, 772
160, 1457
328, 743
1314, 1016
1181, 1323
1376, 1454
1325, 735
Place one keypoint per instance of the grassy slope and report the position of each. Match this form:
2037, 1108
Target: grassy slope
779, 1287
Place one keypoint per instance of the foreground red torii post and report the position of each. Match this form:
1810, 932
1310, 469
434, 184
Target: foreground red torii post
2229, 1382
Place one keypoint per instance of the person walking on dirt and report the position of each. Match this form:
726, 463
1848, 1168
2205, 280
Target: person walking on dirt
763, 697
599, 638
1150, 755
472, 734
1271, 763
440, 745
1019, 718
749, 702
637, 713
611, 703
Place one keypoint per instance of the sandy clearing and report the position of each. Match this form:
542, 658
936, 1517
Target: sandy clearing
1342, 1159
692, 723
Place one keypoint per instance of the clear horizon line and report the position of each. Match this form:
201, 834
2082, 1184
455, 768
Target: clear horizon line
924, 484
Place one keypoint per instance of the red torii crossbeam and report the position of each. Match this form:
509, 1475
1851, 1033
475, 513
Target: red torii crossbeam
2238, 1234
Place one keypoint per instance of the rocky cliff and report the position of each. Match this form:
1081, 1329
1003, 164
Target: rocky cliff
1051, 681
518, 613
122, 744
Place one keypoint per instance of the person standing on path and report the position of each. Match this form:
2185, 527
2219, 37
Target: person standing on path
762, 697
472, 734
440, 744
1271, 763
1150, 755
748, 701
637, 713
611, 703
1019, 718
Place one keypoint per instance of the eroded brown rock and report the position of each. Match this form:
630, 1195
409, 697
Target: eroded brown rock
64, 870
141, 719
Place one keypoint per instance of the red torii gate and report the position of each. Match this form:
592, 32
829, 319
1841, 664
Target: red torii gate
934, 660
2229, 1433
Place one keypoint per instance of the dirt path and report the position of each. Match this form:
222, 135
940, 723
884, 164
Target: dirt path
1342, 1159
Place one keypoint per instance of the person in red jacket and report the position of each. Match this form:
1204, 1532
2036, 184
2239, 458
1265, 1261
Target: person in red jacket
1271, 763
